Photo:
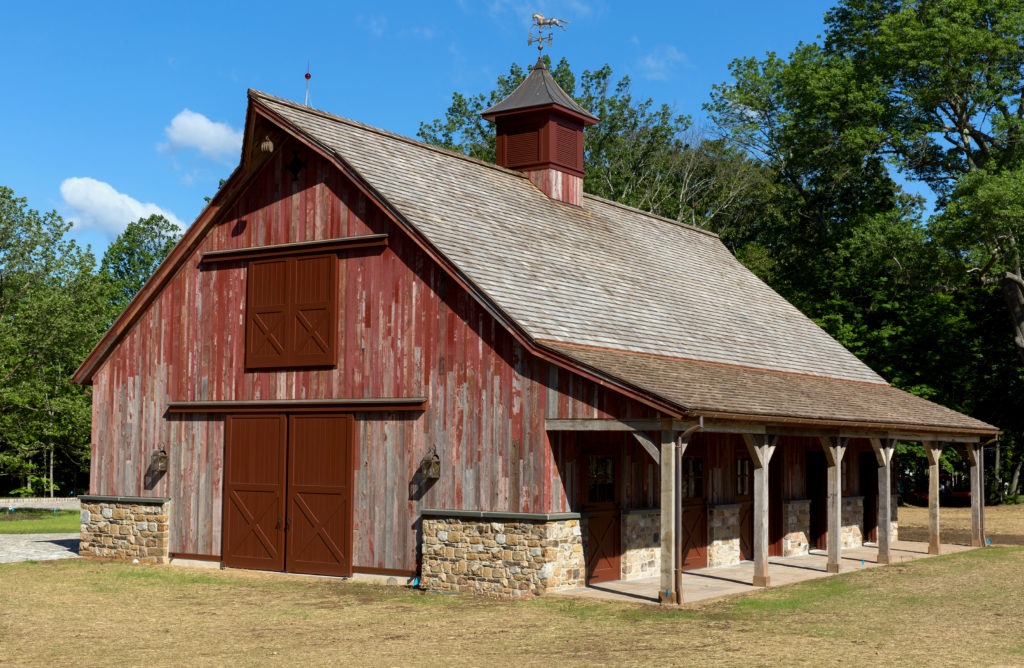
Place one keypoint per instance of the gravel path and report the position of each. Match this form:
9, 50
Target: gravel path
38, 546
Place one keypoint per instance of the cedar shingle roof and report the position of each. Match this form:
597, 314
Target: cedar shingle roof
659, 305
539, 89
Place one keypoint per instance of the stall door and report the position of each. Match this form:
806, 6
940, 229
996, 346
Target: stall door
288, 493
694, 539
601, 512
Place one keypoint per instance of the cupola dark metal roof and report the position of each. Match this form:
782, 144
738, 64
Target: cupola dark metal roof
539, 90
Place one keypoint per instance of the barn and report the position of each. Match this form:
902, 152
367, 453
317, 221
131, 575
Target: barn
370, 356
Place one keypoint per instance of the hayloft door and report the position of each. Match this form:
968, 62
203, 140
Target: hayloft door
601, 514
288, 493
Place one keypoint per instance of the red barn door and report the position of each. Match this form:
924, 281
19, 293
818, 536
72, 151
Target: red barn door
288, 493
319, 532
254, 492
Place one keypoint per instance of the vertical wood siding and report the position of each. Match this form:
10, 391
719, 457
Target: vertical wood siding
404, 329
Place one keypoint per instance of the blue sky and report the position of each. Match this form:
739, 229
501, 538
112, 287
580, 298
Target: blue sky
116, 110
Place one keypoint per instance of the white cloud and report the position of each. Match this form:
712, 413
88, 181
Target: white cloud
218, 141
97, 205
375, 24
660, 63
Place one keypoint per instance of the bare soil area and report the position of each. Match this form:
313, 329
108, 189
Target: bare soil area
1004, 525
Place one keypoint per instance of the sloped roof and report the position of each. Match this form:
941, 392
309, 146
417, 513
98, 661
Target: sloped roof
662, 306
538, 89
661, 309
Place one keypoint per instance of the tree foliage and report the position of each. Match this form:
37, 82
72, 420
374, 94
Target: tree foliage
923, 90
51, 312
134, 256
640, 153
54, 305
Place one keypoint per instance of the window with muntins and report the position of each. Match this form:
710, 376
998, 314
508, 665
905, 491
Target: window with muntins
291, 312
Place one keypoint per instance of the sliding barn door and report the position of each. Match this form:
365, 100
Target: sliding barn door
288, 493
319, 535
254, 492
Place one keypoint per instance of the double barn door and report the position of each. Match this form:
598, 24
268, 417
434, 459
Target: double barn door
288, 493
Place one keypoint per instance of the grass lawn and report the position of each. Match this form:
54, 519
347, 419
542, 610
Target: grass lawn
39, 521
960, 609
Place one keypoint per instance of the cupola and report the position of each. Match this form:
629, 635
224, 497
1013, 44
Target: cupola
540, 132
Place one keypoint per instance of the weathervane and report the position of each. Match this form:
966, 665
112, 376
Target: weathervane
541, 25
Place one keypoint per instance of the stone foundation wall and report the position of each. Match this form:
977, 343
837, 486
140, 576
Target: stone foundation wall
797, 527
853, 521
503, 555
723, 535
125, 528
641, 544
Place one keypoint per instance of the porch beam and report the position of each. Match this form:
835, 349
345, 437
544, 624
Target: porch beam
933, 451
669, 510
761, 449
649, 446
834, 448
883, 455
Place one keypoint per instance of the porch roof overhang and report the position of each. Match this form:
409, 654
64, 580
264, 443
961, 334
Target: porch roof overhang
746, 400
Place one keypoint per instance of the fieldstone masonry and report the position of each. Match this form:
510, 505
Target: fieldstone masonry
641, 543
853, 521
723, 535
125, 528
501, 555
797, 513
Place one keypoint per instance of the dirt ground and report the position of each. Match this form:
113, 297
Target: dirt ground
1004, 525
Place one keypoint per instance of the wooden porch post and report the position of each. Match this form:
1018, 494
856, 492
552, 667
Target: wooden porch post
883, 454
933, 450
669, 510
761, 449
834, 448
975, 452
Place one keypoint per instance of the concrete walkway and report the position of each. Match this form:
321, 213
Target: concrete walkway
38, 546
710, 583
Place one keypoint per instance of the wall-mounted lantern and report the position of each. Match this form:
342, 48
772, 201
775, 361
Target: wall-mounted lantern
430, 465
158, 461
267, 146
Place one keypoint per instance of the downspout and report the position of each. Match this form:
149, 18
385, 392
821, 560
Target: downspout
683, 438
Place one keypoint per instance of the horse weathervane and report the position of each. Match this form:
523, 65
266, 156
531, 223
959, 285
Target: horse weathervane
544, 25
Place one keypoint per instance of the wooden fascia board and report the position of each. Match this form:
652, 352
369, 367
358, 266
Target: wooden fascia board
766, 427
464, 281
375, 405
791, 426
338, 244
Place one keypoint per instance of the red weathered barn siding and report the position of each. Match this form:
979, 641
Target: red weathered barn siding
405, 329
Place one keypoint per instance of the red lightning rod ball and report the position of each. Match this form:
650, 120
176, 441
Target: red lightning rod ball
307, 76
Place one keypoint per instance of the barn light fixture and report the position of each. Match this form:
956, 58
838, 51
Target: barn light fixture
431, 465
267, 146
158, 461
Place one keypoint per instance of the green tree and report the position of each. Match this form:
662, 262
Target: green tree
134, 256
51, 314
931, 89
640, 153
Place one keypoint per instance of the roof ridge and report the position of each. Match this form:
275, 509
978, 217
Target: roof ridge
253, 93
386, 133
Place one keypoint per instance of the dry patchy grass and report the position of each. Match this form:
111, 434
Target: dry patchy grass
1004, 525
952, 610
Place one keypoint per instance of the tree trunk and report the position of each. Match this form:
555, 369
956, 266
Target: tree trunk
1014, 296
1015, 480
